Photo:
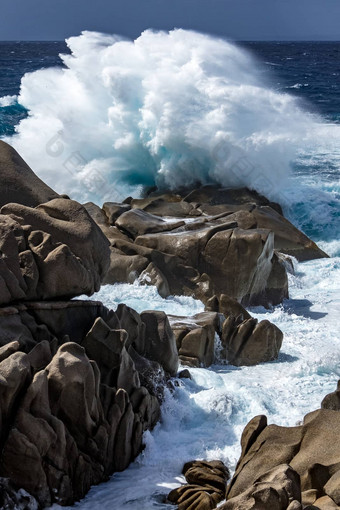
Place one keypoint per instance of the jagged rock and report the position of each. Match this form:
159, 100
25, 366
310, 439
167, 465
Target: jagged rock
195, 337
205, 488
218, 241
244, 341
310, 449
137, 222
18, 183
54, 250
113, 210
160, 344
278, 489
238, 262
332, 401
151, 374
71, 416
249, 342
152, 275
228, 306
62, 442
106, 347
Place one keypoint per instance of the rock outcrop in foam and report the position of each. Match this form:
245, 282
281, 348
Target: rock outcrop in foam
208, 242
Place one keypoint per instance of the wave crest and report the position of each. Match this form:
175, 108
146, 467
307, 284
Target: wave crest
169, 109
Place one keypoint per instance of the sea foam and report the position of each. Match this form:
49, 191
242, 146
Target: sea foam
171, 109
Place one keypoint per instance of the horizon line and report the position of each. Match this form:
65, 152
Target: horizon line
234, 40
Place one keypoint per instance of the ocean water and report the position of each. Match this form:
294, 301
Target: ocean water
111, 116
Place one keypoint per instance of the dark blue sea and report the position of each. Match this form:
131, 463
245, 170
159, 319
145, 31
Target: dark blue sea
111, 115
308, 70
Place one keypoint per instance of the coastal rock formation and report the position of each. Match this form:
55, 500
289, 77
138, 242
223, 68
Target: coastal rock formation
243, 340
52, 250
205, 488
208, 242
72, 400
278, 489
80, 384
195, 337
280, 468
249, 342
311, 450
19, 184
332, 400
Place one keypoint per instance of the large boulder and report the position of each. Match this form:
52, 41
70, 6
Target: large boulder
137, 222
205, 488
278, 489
310, 449
19, 183
249, 342
204, 242
160, 344
50, 251
195, 337
240, 339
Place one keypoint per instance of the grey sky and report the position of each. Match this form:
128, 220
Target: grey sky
237, 19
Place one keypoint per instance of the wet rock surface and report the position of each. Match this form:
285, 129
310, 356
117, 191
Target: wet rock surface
310, 449
206, 242
205, 488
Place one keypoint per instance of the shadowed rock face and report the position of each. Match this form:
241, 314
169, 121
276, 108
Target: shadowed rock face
211, 241
205, 488
13, 499
18, 183
249, 342
50, 247
76, 394
195, 337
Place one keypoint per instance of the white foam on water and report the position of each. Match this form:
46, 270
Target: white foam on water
205, 417
7, 101
171, 108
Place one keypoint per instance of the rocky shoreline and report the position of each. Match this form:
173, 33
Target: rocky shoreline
80, 383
